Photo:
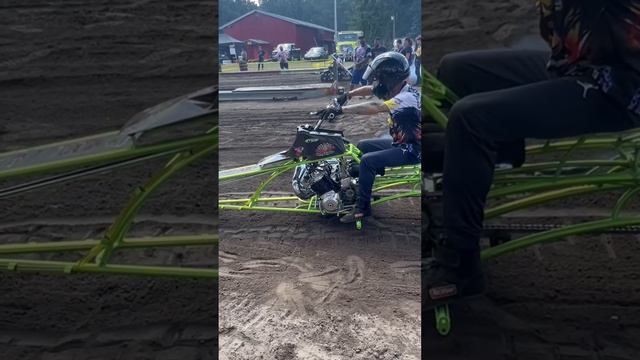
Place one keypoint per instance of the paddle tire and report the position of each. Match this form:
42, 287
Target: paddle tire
326, 76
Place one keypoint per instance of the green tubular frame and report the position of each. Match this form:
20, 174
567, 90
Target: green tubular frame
114, 155
405, 180
98, 252
541, 182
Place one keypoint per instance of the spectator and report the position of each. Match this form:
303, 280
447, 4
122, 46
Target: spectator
375, 51
260, 58
398, 45
418, 58
283, 57
377, 48
360, 62
407, 49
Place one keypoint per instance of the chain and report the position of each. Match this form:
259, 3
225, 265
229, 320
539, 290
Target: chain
545, 227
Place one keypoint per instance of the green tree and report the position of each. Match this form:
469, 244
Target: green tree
319, 12
231, 9
374, 18
371, 16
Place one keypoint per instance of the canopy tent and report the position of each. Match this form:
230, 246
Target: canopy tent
226, 45
224, 39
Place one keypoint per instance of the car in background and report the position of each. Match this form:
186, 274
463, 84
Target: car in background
316, 53
294, 52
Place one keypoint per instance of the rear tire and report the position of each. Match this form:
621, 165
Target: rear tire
326, 76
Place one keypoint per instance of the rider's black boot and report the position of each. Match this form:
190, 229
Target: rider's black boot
447, 273
432, 222
451, 274
359, 212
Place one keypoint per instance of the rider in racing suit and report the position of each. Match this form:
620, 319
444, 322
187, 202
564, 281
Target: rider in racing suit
389, 72
589, 82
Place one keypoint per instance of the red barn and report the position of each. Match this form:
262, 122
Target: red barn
258, 25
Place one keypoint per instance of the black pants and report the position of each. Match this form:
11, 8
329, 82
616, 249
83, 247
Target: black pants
284, 65
507, 95
378, 154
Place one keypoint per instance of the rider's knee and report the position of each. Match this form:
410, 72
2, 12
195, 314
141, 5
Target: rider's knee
469, 115
460, 115
362, 145
365, 160
450, 67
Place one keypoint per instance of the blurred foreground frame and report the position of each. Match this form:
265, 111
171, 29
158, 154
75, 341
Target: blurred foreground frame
184, 130
553, 170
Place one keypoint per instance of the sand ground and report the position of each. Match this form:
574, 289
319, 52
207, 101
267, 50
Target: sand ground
77, 68
302, 286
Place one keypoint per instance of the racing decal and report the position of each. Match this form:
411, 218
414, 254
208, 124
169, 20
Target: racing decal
325, 149
404, 121
442, 292
297, 151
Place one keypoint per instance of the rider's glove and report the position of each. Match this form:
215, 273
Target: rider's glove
331, 111
342, 99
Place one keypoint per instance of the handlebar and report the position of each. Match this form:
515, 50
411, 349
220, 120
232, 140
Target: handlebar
329, 116
326, 116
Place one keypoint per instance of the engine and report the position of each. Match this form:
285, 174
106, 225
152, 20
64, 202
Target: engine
329, 181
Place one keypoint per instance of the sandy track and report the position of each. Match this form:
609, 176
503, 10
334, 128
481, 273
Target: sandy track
76, 68
231, 81
304, 287
330, 295
459, 25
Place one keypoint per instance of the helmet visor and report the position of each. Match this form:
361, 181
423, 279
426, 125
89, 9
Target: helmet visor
367, 72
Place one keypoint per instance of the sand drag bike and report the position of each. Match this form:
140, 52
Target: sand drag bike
324, 180
329, 74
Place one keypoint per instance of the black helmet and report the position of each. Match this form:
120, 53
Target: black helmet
388, 70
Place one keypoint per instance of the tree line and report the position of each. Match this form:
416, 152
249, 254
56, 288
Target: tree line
371, 16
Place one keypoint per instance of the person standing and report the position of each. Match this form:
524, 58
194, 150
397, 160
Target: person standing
283, 58
418, 58
398, 45
260, 58
360, 62
377, 48
407, 51
242, 60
